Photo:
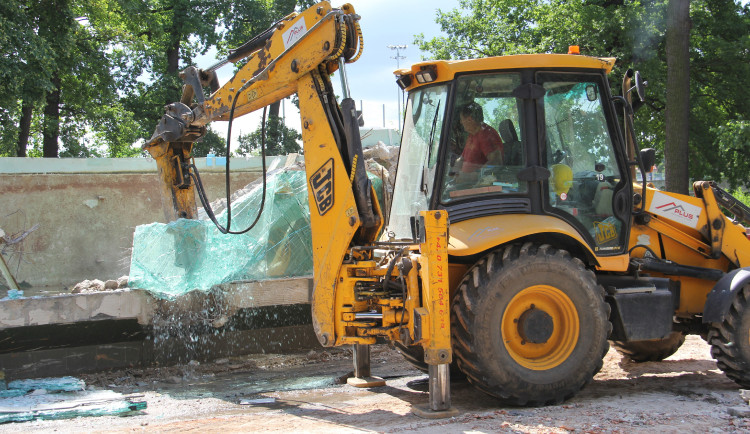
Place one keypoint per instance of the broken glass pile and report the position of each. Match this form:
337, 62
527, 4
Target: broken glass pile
174, 258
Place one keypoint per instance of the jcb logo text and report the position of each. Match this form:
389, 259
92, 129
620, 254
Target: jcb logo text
321, 183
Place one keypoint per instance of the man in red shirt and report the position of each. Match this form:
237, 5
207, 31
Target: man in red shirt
483, 145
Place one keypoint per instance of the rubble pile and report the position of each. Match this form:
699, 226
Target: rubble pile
97, 285
172, 259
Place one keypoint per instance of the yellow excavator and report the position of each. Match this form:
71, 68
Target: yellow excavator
520, 239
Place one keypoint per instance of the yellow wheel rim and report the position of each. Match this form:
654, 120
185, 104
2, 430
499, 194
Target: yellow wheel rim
540, 327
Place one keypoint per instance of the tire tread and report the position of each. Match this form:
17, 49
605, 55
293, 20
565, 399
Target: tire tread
467, 298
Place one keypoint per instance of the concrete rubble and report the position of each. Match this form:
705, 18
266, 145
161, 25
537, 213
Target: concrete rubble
97, 285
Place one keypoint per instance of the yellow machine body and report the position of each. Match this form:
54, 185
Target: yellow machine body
464, 286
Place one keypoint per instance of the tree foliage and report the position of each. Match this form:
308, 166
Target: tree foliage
279, 139
91, 77
634, 32
733, 140
211, 143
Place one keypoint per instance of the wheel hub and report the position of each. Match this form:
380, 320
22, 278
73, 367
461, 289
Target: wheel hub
540, 327
535, 326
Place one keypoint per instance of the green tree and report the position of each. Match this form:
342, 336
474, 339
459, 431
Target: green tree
91, 77
719, 79
25, 61
211, 143
734, 145
162, 38
65, 102
280, 140
634, 32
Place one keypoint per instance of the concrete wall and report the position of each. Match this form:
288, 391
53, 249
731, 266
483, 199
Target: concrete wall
371, 136
87, 210
75, 333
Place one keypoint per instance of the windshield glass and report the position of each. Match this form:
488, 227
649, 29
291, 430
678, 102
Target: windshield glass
423, 125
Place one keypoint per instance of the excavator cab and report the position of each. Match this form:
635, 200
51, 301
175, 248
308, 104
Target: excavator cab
553, 142
526, 156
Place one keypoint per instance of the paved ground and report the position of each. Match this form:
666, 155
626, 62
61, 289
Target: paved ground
685, 393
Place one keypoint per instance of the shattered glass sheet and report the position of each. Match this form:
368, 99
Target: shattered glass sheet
54, 384
61, 398
172, 259
68, 405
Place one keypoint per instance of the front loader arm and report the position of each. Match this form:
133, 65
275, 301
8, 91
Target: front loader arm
699, 225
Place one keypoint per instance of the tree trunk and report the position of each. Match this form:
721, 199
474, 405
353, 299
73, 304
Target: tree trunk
173, 56
678, 96
24, 127
173, 65
273, 109
51, 130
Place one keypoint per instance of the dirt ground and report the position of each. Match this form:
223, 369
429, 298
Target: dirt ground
304, 393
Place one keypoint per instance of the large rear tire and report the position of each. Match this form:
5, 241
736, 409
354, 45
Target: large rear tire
530, 325
730, 340
652, 350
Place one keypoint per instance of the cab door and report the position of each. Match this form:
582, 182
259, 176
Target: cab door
588, 185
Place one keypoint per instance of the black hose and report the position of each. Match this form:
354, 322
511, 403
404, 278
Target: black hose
387, 279
202, 193
254, 44
642, 246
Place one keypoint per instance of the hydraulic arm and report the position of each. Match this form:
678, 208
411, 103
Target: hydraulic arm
363, 290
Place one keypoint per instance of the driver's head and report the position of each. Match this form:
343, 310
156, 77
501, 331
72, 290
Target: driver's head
472, 116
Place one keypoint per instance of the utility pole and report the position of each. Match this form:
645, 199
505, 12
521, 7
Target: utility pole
399, 92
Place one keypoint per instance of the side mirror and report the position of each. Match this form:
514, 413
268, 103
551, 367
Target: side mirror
640, 86
648, 158
640, 90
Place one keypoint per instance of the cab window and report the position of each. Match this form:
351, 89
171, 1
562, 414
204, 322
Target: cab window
485, 151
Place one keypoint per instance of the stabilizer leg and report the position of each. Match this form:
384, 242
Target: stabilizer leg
362, 377
440, 394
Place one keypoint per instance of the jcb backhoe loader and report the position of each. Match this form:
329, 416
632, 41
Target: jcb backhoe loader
554, 248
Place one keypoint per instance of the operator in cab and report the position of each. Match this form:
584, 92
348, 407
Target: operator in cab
483, 145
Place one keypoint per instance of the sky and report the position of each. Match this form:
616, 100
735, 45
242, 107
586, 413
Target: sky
371, 79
